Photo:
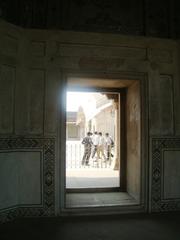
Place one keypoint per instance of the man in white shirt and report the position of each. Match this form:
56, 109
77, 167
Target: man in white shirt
95, 140
100, 149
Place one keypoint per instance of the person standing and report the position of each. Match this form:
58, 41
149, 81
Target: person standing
100, 149
87, 142
109, 143
95, 140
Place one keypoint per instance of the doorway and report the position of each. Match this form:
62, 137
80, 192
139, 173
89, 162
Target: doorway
128, 191
92, 141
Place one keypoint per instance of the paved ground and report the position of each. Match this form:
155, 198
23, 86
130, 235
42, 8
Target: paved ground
124, 227
98, 174
91, 177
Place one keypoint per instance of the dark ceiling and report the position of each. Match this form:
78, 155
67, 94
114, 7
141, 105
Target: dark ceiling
157, 18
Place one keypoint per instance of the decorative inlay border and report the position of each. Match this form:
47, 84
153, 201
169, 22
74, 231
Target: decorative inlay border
157, 203
47, 146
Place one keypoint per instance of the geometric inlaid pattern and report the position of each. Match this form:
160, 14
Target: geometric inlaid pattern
47, 147
158, 204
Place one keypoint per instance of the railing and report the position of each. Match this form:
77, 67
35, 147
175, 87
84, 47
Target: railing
74, 155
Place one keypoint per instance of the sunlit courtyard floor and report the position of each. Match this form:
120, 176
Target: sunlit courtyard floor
90, 177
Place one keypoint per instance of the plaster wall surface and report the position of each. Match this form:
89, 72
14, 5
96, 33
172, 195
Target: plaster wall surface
20, 178
171, 172
133, 141
33, 69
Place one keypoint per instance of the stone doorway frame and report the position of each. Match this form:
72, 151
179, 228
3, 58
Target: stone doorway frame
122, 77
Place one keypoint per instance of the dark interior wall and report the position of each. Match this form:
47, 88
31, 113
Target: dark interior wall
141, 17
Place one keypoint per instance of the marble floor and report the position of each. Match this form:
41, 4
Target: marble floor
106, 199
161, 226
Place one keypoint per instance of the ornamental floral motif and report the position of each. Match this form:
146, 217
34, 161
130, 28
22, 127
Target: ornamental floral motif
157, 203
47, 146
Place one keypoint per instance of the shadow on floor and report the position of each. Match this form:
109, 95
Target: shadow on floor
124, 227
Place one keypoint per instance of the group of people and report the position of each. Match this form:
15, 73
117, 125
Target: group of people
97, 147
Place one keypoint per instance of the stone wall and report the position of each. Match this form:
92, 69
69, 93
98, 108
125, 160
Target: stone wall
28, 117
33, 68
134, 142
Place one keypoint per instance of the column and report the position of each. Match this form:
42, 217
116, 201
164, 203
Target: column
116, 162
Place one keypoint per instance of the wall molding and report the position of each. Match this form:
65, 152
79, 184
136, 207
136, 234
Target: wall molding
47, 146
159, 145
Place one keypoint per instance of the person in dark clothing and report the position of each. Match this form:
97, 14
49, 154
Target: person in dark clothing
87, 142
109, 143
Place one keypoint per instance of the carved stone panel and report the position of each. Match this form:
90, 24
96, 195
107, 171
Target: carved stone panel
165, 160
42, 149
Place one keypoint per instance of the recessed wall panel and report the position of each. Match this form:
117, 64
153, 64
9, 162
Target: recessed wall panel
52, 97
160, 55
171, 174
30, 177
176, 105
65, 50
161, 105
8, 180
36, 101
38, 48
30, 102
9, 45
20, 178
27, 184
165, 191
7, 84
